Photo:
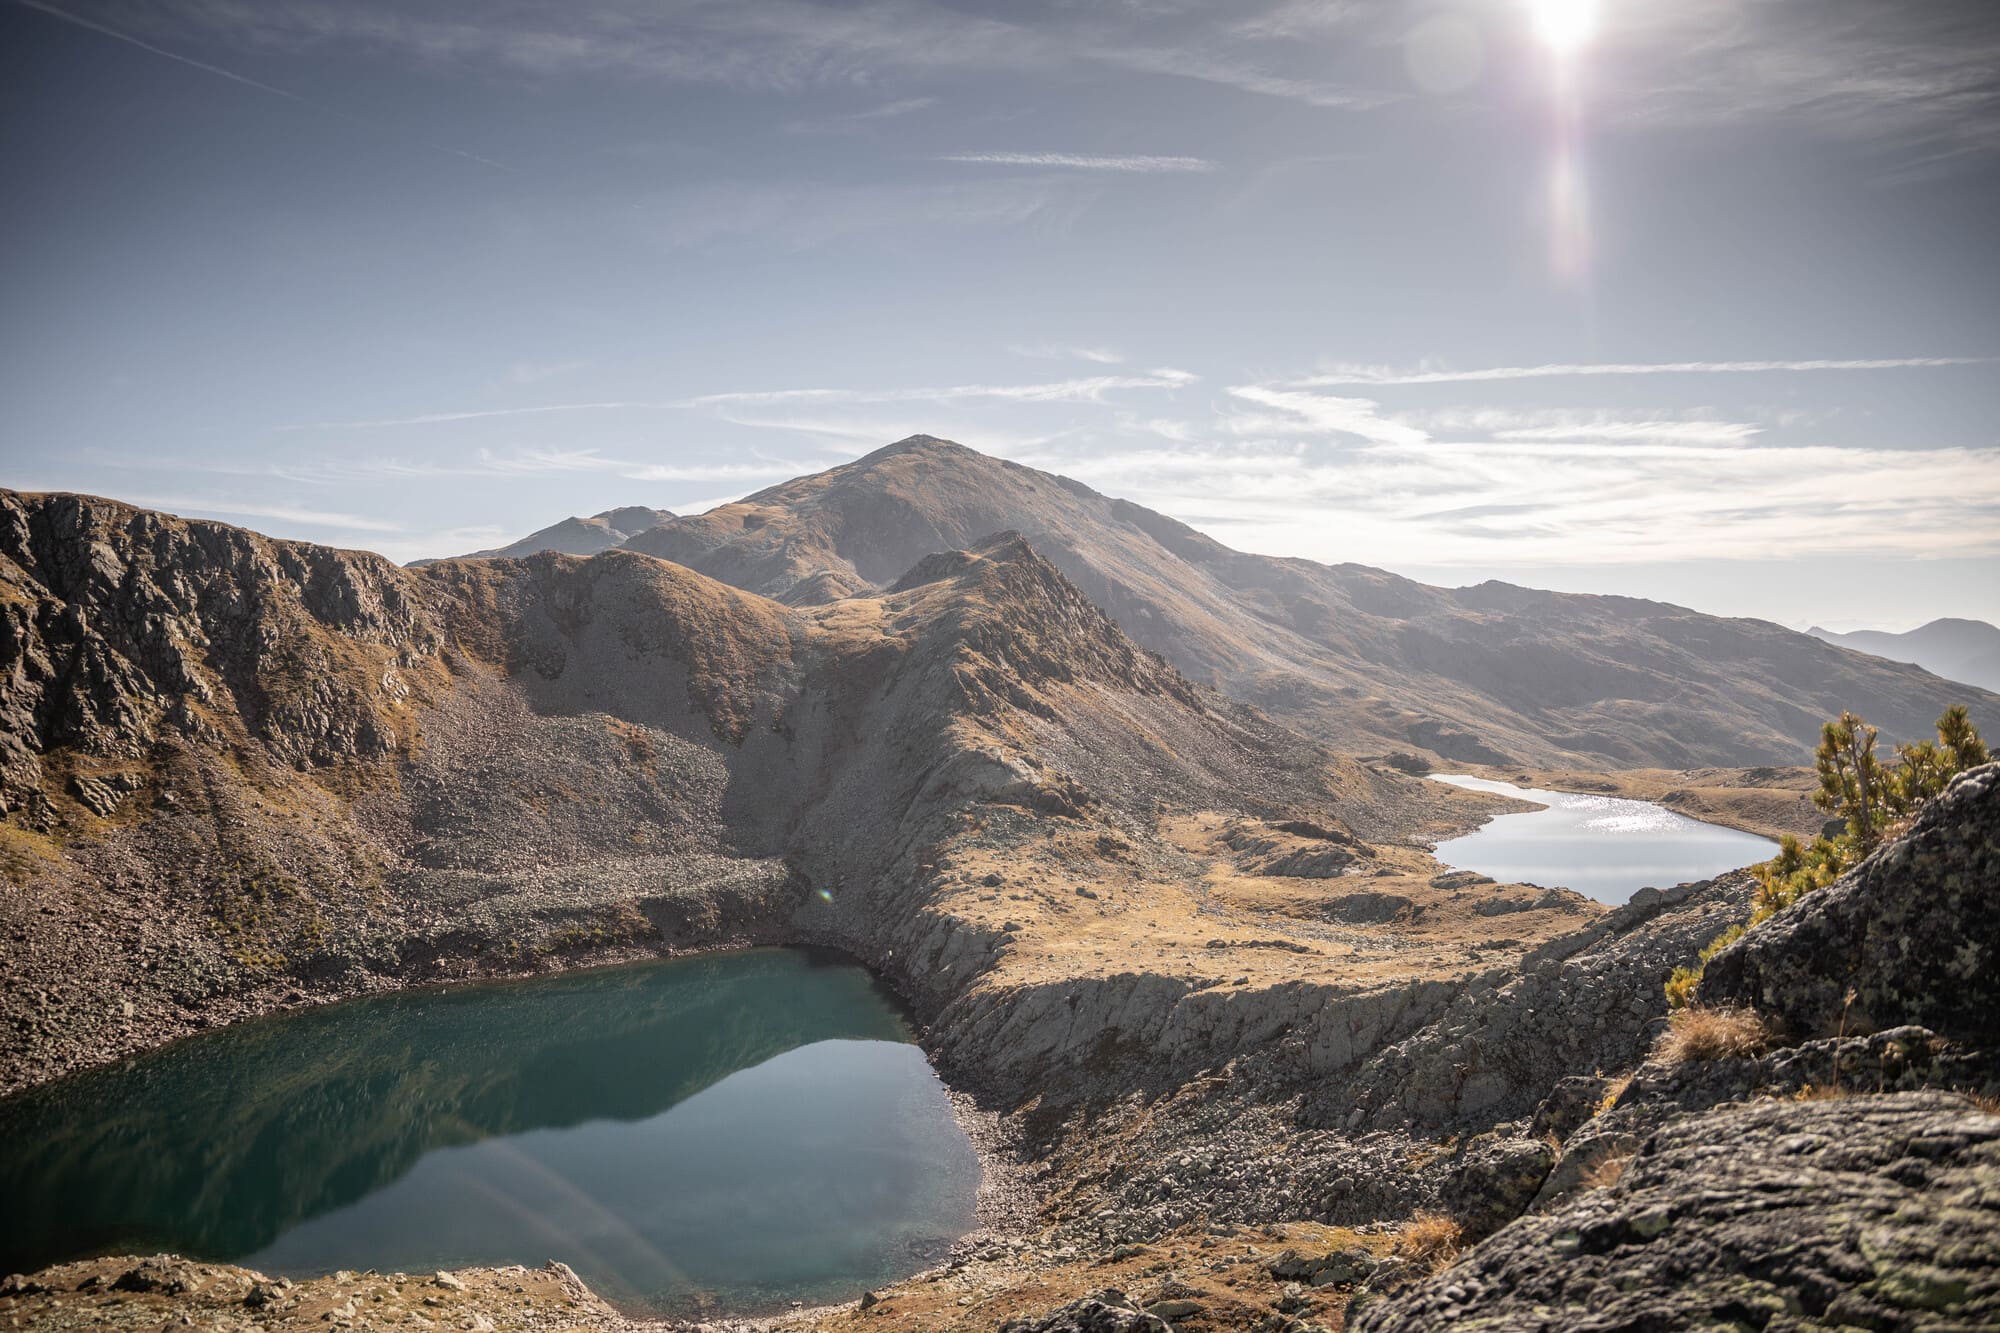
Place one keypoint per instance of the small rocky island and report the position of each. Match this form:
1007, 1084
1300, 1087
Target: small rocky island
1238, 1052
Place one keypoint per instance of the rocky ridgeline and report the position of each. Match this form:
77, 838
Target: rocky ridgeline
119, 625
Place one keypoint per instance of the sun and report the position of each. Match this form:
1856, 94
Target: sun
1564, 26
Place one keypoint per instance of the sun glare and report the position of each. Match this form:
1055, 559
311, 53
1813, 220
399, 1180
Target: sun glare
1564, 25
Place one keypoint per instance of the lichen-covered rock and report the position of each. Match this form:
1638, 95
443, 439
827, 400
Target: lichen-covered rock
1494, 1180
1106, 1312
1913, 933
1899, 1060
1877, 1212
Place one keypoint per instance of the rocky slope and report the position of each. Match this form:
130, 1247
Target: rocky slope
1356, 656
1239, 1028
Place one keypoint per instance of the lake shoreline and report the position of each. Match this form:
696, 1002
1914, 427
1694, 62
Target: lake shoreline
1606, 846
1004, 1205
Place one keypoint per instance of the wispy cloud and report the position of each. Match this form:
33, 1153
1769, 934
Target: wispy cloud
1359, 375
1572, 424
1103, 356
1314, 413
1919, 73
262, 87
1082, 389
803, 216
481, 414
280, 512
1199, 60
1137, 164
852, 121
1085, 389
1553, 486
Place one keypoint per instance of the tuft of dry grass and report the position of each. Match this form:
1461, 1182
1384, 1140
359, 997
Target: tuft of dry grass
1699, 1033
1431, 1241
1612, 1092
1829, 1092
1985, 1101
1605, 1174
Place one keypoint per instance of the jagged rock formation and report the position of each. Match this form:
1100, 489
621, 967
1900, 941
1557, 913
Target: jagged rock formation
119, 627
1368, 660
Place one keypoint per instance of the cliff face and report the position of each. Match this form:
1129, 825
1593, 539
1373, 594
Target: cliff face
119, 627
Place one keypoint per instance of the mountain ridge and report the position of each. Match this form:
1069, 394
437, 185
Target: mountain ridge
1951, 646
1370, 661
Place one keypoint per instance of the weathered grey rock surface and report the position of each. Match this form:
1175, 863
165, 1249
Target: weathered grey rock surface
1878, 1212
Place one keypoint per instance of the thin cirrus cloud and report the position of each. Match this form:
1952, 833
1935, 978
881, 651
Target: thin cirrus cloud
1358, 375
1082, 389
281, 513
1130, 164
1554, 487
1570, 424
1103, 356
337, 113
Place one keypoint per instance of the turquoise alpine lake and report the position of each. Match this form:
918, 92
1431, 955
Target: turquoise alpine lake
1604, 847
730, 1132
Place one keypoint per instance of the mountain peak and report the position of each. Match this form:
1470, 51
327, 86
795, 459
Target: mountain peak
935, 446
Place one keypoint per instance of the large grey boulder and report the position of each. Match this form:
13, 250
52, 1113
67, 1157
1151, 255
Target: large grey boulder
1913, 932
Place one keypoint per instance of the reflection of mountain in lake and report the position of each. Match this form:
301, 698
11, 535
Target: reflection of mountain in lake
217, 1145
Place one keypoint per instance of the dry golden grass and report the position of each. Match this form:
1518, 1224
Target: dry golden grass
1431, 1241
1605, 1174
1985, 1101
1830, 1092
1612, 1092
1698, 1033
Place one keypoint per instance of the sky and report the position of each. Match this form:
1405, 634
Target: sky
1688, 299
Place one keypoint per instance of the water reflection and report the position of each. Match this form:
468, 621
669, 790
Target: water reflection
1605, 847
753, 1124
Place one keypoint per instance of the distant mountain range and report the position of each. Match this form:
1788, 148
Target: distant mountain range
1967, 650
1357, 658
579, 536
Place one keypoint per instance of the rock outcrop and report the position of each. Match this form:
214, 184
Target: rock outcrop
1912, 935
1878, 1212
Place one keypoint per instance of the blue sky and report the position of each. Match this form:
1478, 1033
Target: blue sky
1695, 300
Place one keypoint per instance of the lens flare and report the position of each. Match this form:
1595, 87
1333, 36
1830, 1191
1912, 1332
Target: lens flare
1565, 26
